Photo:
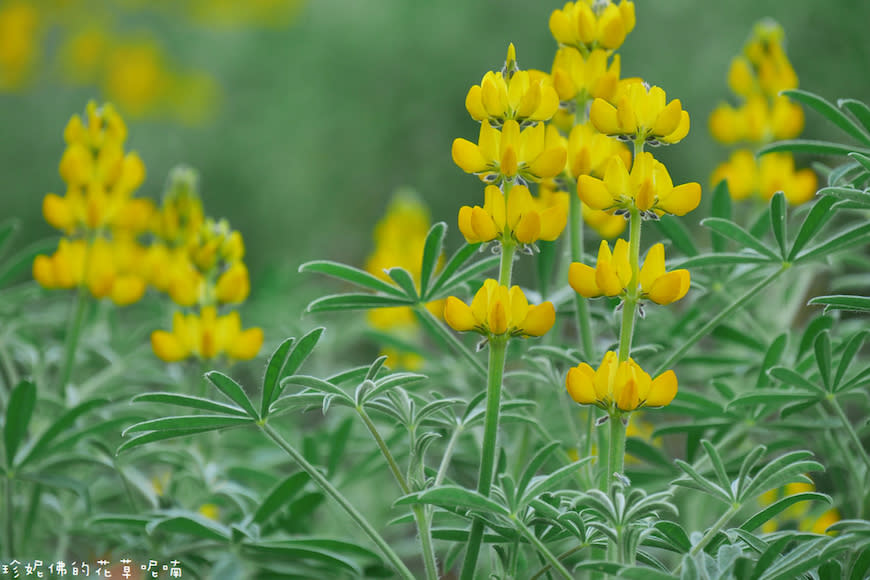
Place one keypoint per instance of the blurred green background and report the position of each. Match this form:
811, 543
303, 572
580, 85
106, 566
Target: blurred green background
320, 111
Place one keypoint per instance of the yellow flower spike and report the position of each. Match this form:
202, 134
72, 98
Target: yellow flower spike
497, 310
761, 178
726, 124
741, 173
233, 286
619, 385
741, 78
786, 118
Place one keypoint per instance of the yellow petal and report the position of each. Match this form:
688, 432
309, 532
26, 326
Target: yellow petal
604, 117
498, 317
233, 286
483, 225
246, 344
474, 104
43, 271
582, 279
468, 157
626, 395
540, 319
593, 192
519, 203
607, 279
554, 219
579, 384
458, 315
668, 119
666, 288
529, 228
663, 390
519, 306
621, 262
550, 163
167, 347
465, 226
508, 163
127, 289
653, 266
682, 199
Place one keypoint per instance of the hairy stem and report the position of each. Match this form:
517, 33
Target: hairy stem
629, 305
548, 555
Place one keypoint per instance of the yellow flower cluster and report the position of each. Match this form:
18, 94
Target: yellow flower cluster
521, 217
497, 310
587, 24
612, 275
98, 213
756, 79
198, 262
640, 113
399, 240
620, 385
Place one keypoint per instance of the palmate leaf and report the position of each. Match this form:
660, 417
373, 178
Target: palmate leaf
465, 275
854, 236
233, 391
284, 362
781, 505
456, 261
405, 281
817, 217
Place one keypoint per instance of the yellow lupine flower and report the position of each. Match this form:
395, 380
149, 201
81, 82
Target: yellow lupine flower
759, 120
107, 269
612, 275
512, 94
590, 24
762, 177
206, 336
641, 112
533, 154
136, 76
495, 310
579, 77
606, 224
233, 286
620, 385
766, 54
648, 188
589, 151
521, 217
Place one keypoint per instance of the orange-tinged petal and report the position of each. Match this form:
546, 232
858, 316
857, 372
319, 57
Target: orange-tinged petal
582, 279
458, 315
579, 384
540, 319
662, 390
468, 157
508, 162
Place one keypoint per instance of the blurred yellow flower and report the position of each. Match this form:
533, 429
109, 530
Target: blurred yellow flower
19, 42
205, 335
587, 24
762, 177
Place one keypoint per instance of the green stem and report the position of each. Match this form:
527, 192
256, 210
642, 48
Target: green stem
448, 455
616, 451
713, 322
560, 557
342, 501
584, 328
72, 337
849, 429
420, 515
10, 519
438, 327
539, 545
711, 533
497, 351
629, 305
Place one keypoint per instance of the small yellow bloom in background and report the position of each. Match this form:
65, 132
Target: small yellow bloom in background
210, 511
521, 217
620, 385
763, 177
766, 54
532, 154
799, 514
647, 188
605, 224
206, 336
578, 77
19, 43
641, 112
758, 120
612, 275
589, 25
512, 94
497, 310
